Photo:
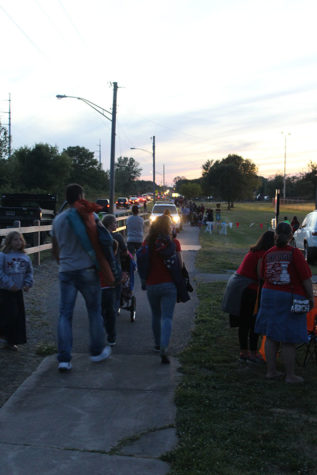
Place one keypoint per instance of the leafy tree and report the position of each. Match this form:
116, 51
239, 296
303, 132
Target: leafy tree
178, 178
41, 168
5, 175
309, 182
85, 169
274, 183
231, 179
127, 170
205, 173
142, 186
4, 142
190, 190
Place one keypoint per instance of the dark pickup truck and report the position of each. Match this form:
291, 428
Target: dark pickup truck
27, 208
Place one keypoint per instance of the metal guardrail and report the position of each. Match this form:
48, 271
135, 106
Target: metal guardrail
37, 229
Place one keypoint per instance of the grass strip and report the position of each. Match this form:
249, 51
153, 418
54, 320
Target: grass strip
230, 419
221, 253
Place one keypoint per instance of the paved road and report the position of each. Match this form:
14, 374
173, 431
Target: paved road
115, 417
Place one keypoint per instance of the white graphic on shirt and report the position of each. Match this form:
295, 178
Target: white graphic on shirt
276, 271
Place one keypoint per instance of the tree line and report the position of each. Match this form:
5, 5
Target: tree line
43, 169
235, 179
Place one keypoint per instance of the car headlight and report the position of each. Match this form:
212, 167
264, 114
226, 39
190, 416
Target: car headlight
176, 219
152, 218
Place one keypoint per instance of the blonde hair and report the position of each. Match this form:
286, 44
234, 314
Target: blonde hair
8, 241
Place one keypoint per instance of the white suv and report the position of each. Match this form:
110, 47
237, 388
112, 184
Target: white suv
160, 208
306, 236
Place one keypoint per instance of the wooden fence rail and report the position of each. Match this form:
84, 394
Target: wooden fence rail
36, 230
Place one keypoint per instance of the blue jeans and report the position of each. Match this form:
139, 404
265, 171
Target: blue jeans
108, 304
133, 247
118, 298
85, 281
162, 299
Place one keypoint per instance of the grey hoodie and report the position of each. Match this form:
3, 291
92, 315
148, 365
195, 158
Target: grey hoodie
15, 269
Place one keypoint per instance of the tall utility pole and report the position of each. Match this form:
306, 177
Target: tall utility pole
9, 128
113, 143
284, 177
99, 151
153, 155
164, 176
9, 136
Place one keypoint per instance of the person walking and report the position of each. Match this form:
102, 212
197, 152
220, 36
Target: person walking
286, 276
295, 224
74, 253
135, 225
16, 276
111, 295
160, 285
246, 315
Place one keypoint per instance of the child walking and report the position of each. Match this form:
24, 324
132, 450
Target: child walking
16, 275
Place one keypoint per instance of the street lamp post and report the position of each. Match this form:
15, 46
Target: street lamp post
112, 119
284, 176
153, 159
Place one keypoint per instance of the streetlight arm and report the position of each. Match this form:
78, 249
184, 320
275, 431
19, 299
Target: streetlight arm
113, 115
143, 149
97, 108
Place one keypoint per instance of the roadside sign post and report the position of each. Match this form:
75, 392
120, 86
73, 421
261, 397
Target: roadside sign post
277, 206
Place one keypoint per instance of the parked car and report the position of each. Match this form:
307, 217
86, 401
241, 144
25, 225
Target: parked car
122, 202
105, 203
160, 208
26, 208
306, 237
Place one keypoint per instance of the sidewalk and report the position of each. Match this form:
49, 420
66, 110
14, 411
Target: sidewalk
116, 416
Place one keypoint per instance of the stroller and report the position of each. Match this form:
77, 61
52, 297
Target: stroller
128, 300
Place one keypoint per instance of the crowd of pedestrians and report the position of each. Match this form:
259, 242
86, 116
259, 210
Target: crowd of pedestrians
268, 295
193, 213
94, 260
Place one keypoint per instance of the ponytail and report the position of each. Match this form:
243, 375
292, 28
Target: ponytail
283, 234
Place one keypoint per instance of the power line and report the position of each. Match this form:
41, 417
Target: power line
69, 18
23, 32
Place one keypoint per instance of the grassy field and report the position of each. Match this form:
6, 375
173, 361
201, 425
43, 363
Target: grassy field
230, 419
224, 253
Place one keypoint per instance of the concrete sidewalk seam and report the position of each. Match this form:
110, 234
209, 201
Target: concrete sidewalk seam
112, 452
128, 440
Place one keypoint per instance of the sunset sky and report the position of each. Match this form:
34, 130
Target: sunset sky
206, 77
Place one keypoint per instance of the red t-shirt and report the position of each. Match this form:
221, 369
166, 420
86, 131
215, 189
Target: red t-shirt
284, 268
159, 273
248, 267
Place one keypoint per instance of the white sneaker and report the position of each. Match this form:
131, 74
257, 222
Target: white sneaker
64, 366
106, 352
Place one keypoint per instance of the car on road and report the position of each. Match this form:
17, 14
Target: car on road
306, 237
105, 203
134, 200
161, 208
122, 202
141, 199
147, 196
